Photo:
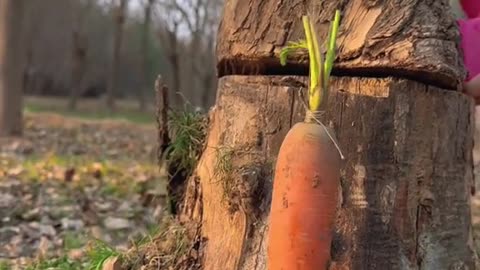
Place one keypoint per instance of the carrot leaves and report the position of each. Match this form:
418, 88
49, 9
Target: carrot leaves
320, 70
292, 47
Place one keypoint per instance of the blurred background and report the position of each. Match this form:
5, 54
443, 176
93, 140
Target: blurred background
109, 52
80, 180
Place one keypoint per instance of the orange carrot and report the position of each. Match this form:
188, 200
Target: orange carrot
304, 201
307, 176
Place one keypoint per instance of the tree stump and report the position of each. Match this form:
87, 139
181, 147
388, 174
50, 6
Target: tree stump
407, 178
405, 184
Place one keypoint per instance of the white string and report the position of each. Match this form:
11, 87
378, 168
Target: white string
311, 116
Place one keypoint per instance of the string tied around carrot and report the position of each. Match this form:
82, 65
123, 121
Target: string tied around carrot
314, 117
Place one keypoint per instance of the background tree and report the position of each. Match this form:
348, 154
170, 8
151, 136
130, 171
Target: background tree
195, 22
11, 66
168, 35
79, 51
118, 11
145, 51
56, 32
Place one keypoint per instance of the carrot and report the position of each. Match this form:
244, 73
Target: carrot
307, 173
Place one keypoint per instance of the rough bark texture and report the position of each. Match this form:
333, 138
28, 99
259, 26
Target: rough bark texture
409, 38
161, 96
405, 184
11, 67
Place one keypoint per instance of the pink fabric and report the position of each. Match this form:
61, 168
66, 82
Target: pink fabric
470, 31
471, 8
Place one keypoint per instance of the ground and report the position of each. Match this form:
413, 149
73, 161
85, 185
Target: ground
70, 181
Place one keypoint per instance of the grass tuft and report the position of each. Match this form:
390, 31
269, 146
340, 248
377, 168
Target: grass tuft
187, 130
98, 253
166, 247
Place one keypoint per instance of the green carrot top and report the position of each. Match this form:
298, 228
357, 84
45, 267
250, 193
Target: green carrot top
319, 70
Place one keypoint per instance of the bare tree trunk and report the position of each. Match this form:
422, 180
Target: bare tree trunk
407, 179
11, 66
146, 53
79, 59
174, 59
119, 18
79, 56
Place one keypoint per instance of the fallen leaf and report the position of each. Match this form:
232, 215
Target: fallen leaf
43, 247
114, 223
72, 224
31, 214
15, 171
97, 169
47, 230
7, 201
76, 254
96, 232
69, 174
112, 263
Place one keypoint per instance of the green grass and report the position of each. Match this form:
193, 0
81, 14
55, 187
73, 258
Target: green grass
98, 253
62, 263
72, 241
187, 130
4, 265
89, 109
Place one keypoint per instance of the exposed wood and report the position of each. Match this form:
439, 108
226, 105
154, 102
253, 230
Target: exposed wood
405, 183
11, 67
112, 263
409, 38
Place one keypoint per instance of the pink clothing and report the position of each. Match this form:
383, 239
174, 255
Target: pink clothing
470, 31
471, 8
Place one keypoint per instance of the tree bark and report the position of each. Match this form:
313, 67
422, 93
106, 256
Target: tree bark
11, 67
407, 179
416, 39
119, 18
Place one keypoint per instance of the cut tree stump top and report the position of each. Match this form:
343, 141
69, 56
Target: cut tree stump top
403, 38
